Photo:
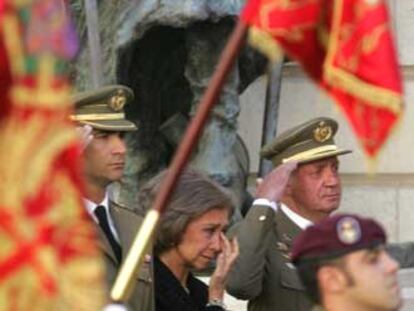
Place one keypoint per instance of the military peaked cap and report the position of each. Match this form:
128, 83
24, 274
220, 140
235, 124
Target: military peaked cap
103, 108
310, 141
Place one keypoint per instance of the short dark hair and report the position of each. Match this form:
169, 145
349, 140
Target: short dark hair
308, 273
194, 195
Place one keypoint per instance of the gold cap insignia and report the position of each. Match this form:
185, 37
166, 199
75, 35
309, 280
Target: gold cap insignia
323, 132
349, 230
118, 101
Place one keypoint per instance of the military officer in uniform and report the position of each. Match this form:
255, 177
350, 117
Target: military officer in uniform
104, 160
290, 198
344, 265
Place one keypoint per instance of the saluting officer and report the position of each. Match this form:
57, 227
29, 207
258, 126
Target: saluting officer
104, 161
290, 199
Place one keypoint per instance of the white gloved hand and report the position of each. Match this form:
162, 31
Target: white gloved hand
85, 135
273, 184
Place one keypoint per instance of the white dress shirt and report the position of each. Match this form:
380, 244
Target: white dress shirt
300, 221
91, 206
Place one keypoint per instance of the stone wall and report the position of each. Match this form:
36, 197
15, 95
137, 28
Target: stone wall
406, 279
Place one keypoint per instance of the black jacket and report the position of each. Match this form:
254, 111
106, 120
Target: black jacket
171, 296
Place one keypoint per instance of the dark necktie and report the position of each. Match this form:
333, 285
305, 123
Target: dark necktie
102, 216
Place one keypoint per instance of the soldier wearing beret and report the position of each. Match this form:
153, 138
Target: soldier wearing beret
344, 266
304, 188
102, 111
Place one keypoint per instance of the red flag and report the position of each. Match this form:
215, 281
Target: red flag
48, 258
346, 47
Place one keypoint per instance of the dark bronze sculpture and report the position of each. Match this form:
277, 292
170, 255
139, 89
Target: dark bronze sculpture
167, 54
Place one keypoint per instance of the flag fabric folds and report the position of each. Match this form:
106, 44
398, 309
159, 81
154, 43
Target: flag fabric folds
346, 47
48, 257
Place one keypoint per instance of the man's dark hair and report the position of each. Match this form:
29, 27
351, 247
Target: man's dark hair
308, 272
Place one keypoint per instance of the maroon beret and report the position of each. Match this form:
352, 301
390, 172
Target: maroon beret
336, 236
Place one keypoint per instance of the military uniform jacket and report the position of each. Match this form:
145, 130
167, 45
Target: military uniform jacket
127, 224
263, 273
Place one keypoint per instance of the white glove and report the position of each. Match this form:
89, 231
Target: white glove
85, 135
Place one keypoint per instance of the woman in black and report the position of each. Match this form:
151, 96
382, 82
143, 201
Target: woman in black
189, 237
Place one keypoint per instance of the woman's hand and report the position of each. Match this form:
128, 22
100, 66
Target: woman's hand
224, 262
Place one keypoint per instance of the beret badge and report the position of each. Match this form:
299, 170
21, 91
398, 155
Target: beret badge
118, 101
322, 133
348, 230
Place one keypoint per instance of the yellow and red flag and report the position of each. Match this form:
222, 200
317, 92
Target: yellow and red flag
48, 257
346, 47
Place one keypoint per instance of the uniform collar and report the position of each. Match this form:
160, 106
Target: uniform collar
300, 221
91, 206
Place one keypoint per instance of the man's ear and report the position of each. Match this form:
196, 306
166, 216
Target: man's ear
331, 279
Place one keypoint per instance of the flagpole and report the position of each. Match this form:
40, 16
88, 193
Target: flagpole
94, 42
123, 285
271, 113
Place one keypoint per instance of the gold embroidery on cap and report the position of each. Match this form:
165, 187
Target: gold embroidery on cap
349, 231
118, 101
308, 154
323, 132
98, 117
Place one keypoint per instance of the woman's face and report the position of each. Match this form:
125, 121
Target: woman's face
202, 239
